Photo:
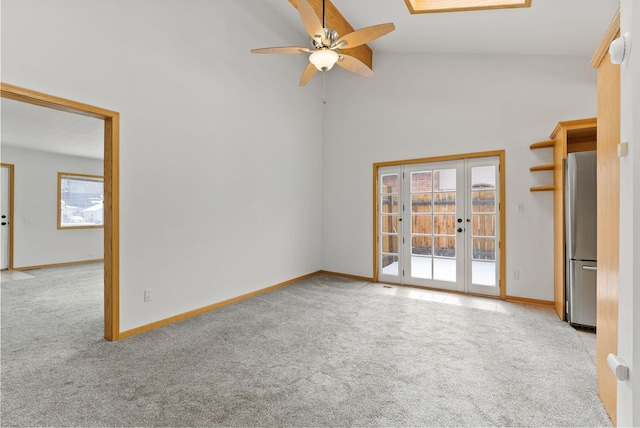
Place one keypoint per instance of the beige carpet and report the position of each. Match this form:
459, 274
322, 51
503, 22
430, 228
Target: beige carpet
320, 352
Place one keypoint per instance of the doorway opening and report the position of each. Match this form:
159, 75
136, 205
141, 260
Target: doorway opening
438, 223
111, 191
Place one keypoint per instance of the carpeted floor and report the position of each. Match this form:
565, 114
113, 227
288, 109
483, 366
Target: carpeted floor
320, 352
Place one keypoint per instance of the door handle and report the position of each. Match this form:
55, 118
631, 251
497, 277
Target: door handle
460, 229
4, 223
589, 268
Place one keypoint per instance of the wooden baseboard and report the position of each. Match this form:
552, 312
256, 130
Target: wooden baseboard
208, 308
346, 275
527, 301
79, 262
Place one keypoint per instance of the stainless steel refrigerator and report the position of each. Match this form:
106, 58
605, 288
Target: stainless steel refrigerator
580, 239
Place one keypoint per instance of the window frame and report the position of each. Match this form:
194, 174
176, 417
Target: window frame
440, 6
71, 175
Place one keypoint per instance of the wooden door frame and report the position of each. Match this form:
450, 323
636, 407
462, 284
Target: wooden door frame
609, 205
11, 198
503, 222
111, 191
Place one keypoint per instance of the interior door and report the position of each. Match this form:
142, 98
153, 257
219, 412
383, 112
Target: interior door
438, 225
5, 210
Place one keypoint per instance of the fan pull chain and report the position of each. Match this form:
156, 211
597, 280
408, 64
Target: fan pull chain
324, 85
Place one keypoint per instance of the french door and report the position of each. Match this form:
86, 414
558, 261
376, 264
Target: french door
438, 225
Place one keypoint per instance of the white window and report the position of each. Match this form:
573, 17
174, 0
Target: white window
81, 201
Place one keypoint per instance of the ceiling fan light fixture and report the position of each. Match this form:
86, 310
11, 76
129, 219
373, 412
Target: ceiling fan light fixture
324, 59
325, 43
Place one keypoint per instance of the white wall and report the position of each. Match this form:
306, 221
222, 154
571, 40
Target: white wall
419, 106
629, 301
220, 157
226, 187
37, 240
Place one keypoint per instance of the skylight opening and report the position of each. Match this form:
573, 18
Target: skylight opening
434, 6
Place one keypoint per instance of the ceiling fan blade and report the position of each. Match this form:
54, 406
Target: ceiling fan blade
280, 50
310, 20
308, 74
364, 35
354, 65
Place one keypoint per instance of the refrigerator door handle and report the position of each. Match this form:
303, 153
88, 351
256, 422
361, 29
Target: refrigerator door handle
589, 267
570, 204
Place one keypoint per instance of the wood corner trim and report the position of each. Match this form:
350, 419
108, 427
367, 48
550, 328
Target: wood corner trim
603, 49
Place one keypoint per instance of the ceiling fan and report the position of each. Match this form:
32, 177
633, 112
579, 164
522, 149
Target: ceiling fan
326, 44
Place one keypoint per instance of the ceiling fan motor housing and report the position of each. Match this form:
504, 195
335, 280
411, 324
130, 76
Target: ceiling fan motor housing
330, 39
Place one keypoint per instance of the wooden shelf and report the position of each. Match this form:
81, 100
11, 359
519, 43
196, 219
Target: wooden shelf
542, 144
546, 144
548, 167
543, 188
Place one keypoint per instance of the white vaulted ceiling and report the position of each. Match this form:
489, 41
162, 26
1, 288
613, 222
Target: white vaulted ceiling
548, 27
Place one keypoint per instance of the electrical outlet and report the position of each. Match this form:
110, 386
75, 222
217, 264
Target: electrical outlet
92, 254
520, 207
147, 295
516, 274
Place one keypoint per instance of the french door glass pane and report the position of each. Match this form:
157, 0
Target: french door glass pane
421, 245
444, 202
483, 177
390, 264
421, 267
444, 180
445, 224
389, 223
388, 204
389, 184
445, 246
483, 273
444, 269
484, 248
421, 181
483, 201
421, 203
389, 243
484, 224
421, 224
